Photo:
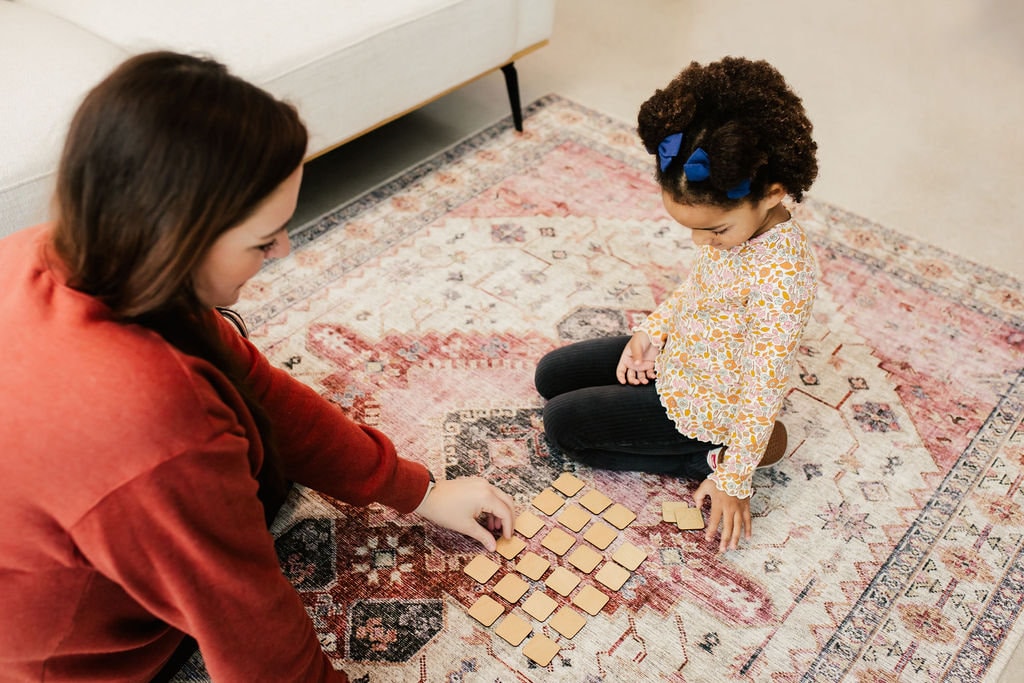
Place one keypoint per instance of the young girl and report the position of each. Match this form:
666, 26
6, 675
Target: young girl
145, 442
696, 390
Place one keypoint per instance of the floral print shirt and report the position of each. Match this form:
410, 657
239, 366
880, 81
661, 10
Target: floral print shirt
728, 336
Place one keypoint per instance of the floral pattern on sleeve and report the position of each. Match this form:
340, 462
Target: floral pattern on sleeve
730, 333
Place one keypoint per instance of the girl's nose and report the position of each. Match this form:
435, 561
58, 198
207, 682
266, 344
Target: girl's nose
282, 248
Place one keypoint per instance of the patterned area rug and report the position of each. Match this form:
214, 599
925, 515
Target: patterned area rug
887, 547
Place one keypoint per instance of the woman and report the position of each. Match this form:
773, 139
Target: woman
145, 443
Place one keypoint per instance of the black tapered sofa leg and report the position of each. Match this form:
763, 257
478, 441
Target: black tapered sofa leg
512, 84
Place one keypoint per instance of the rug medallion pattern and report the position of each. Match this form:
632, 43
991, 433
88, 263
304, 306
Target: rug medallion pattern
887, 547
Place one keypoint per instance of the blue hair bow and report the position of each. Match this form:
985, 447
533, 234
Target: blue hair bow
698, 167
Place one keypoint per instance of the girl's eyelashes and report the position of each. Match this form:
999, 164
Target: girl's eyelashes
266, 248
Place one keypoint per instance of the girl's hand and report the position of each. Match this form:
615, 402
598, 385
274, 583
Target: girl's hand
471, 506
733, 513
636, 365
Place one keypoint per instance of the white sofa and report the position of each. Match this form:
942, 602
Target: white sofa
348, 65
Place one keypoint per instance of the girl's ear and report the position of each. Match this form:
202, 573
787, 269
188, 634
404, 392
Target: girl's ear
775, 194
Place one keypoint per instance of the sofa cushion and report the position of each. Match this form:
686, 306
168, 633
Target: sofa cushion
347, 65
49, 65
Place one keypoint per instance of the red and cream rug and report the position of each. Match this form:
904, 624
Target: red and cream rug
886, 548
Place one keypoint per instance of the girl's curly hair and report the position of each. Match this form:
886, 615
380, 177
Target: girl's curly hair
748, 121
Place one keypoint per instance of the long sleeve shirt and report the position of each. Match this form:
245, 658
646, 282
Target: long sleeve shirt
129, 493
728, 336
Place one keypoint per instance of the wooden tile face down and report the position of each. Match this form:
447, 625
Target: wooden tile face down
548, 502
611, 575
541, 649
567, 484
600, 535
568, 622
528, 524
619, 516
669, 507
511, 587
574, 517
590, 600
486, 610
562, 581
629, 556
513, 629
532, 566
689, 519
584, 559
595, 501
481, 568
510, 547
539, 605
557, 541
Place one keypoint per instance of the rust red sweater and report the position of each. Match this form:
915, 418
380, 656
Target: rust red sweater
128, 497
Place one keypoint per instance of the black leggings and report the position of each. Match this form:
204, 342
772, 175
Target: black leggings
608, 425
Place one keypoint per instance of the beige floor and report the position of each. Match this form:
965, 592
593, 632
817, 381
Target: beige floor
918, 106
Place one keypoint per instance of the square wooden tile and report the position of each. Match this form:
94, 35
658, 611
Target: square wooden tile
557, 541
532, 566
510, 547
511, 587
541, 649
513, 629
629, 556
567, 622
481, 568
562, 581
689, 519
486, 610
567, 484
574, 517
528, 524
548, 502
669, 507
619, 516
610, 575
539, 605
584, 559
590, 600
600, 535
595, 501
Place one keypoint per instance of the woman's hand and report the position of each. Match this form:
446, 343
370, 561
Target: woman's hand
733, 514
471, 506
636, 365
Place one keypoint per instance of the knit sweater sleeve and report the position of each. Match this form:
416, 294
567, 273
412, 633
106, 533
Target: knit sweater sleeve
187, 541
322, 448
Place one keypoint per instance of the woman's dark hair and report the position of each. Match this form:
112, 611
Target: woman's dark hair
745, 117
162, 157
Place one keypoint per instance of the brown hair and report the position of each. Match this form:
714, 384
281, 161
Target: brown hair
745, 117
162, 157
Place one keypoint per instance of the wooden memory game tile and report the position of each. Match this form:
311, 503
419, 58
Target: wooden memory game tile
629, 556
567, 484
541, 649
689, 519
528, 524
610, 575
481, 568
548, 502
584, 559
539, 605
600, 535
511, 587
558, 542
619, 516
532, 566
567, 622
669, 507
486, 610
574, 517
590, 600
510, 547
562, 581
513, 629
595, 501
